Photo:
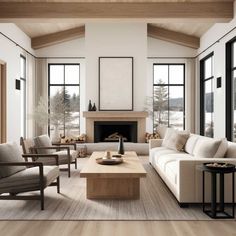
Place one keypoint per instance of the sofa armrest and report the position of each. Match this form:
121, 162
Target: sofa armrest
155, 143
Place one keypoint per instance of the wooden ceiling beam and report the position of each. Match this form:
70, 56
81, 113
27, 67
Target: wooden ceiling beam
219, 11
173, 36
59, 37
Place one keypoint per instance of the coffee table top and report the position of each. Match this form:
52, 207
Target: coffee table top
130, 168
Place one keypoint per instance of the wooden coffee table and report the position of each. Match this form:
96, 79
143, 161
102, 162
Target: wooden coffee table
113, 181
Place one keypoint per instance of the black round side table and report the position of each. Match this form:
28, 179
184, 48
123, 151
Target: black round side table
217, 210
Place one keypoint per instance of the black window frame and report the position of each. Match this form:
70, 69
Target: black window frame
62, 85
168, 86
23, 86
229, 116
202, 91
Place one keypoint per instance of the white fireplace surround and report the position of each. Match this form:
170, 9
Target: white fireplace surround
139, 116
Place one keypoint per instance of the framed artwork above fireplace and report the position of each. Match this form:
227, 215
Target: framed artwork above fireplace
115, 83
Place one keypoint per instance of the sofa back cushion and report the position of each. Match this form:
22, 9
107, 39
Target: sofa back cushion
231, 150
222, 149
168, 134
161, 130
9, 152
190, 144
43, 141
206, 147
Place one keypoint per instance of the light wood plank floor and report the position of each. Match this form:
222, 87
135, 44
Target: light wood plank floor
115, 228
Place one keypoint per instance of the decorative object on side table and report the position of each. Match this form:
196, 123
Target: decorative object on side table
121, 149
217, 212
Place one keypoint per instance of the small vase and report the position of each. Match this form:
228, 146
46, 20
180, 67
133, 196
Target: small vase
121, 146
94, 108
90, 107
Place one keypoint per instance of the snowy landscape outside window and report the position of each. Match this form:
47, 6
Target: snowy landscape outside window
168, 95
64, 99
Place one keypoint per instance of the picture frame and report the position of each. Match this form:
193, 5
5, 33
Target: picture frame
115, 83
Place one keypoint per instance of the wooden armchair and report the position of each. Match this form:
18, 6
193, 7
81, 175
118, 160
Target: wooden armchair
18, 176
43, 145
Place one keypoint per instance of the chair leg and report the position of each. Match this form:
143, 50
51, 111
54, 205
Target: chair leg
42, 198
58, 184
69, 170
76, 163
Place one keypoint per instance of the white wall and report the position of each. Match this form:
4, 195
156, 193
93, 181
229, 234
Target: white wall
116, 39
73, 48
211, 36
10, 54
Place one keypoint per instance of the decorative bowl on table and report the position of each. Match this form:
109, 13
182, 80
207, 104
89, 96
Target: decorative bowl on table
218, 165
109, 161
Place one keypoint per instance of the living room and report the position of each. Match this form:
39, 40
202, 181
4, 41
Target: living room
146, 84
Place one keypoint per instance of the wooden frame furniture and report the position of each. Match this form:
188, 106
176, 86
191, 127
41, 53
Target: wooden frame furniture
113, 182
14, 181
65, 155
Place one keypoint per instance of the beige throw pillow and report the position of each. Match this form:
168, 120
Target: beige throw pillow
222, 149
206, 148
177, 140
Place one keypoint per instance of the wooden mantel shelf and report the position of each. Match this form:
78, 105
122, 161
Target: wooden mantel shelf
115, 114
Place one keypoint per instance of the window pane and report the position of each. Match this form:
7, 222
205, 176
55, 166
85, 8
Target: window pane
72, 74
234, 54
22, 67
208, 68
160, 74
56, 74
176, 74
176, 107
234, 105
160, 105
72, 105
209, 109
57, 110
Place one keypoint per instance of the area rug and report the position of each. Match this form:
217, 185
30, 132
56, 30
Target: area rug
155, 203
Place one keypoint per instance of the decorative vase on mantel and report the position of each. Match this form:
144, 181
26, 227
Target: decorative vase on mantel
94, 108
121, 149
90, 107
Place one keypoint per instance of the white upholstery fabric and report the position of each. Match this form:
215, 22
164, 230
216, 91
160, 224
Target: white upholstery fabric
222, 149
43, 141
231, 151
169, 133
161, 130
190, 144
206, 147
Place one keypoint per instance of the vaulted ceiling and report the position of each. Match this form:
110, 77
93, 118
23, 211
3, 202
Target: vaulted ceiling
50, 21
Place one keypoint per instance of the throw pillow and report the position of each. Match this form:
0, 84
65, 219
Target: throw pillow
206, 148
168, 134
178, 140
161, 130
220, 153
190, 144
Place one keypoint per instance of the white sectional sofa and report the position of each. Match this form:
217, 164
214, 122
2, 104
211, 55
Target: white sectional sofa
179, 169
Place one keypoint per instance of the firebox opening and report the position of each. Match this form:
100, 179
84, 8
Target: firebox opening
109, 131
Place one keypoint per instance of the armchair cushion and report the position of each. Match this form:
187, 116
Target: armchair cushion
9, 152
43, 141
28, 180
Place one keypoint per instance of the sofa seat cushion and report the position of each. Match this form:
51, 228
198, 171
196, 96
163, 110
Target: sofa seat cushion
163, 160
172, 171
9, 152
158, 151
28, 180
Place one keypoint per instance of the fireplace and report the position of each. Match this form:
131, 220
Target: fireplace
109, 131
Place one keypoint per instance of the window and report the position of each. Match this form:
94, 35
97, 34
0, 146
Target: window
23, 94
231, 90
168, 95
207, 96
64, 99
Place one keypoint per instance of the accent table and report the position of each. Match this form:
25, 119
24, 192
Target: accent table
113, 182
214, 212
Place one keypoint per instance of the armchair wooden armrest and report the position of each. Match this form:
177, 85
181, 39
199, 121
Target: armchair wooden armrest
65, 144
26, 156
